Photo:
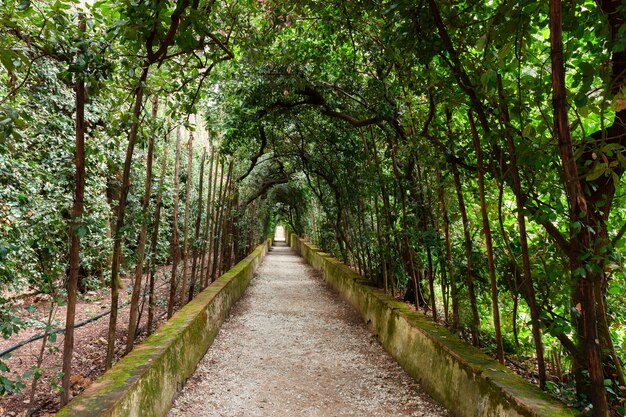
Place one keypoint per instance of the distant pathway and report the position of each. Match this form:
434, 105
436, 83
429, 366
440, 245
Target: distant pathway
291, 347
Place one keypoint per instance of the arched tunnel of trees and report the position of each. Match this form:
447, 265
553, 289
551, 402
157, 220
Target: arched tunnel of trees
465, 156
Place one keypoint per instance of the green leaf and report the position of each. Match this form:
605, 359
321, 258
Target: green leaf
81, 231
598, 170
23, 5
612, 147
528, 131
587, 69
614, 290
481, 42
581, 99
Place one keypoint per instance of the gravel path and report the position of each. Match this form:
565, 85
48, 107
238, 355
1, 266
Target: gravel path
292, 347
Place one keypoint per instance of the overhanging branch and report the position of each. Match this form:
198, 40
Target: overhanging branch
256, 156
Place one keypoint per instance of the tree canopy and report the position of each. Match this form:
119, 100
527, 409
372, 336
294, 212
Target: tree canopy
465, 156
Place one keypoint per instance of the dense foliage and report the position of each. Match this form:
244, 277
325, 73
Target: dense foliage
123, 54
466, 156
439, 149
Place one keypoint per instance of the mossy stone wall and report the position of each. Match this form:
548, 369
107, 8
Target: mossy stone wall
458, 375
144, 382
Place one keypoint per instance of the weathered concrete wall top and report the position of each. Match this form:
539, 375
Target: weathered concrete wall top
144, 382
458, 375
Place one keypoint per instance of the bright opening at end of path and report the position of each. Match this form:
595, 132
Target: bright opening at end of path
279, 235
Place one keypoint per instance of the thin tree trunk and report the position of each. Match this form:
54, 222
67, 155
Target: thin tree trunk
521, 223
194, 250
407, 250
236, 230
141, 244
218, 214
121, 210
425, 217
387, 214
381, 244
475, 326
215, 193
488, 242
207, 224
513, 287
40, 358
605, 336
431, 283
347, 221
365, 237
446, 232
445, 289
225, 217
155, 236
453, 288
514, 321
183, 290
359, 232
230, 227
175, 239
77, 220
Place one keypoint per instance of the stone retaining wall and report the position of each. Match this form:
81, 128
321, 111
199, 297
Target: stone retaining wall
145, 382
458, 375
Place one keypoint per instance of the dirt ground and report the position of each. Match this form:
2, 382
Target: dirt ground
292, 347
89, 347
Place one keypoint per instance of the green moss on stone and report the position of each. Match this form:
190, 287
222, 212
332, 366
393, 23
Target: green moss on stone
488, 388
145, 381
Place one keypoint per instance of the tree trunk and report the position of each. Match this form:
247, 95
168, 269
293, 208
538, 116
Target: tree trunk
426, 223
121, 210
488, 242
364, 236
216, 229
207, 225
382, 244
210, 261
194, 250
578, 213
521, 223
40, 358
234, 227
77, 221
183, 289
225, 218
155, 236
141, 244
446, 230
407, 250
175, 239
475, 327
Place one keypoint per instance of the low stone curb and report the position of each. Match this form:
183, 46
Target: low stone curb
145, 382
459, 376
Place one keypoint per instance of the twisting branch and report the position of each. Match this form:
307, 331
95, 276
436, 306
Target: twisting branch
316, 98
175, 20
221, 45
256, 156
269, 184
